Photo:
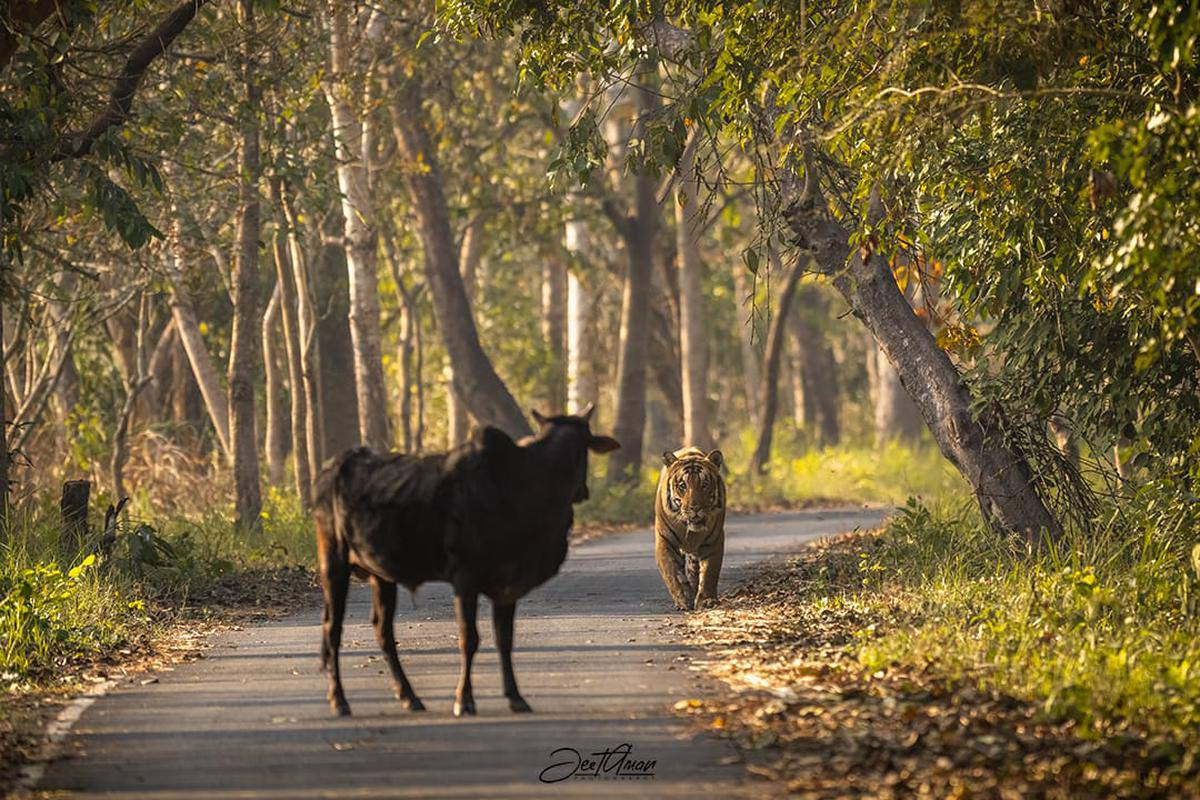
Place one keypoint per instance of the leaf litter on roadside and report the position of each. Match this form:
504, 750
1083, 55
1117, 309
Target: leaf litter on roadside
807, 717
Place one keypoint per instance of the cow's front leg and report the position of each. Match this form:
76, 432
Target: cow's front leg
466, 604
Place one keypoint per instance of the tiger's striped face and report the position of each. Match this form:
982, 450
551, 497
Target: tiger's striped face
693, 488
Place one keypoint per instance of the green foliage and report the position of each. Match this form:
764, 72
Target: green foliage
1103, 629
49, 617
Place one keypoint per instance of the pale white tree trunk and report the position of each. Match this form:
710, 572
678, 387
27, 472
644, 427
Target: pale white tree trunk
358, 209
581, 379
277, 420
554, 323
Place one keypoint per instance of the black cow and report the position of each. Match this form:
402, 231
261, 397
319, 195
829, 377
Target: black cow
490, 517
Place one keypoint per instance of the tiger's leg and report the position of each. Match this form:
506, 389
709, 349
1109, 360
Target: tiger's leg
710, 571
670, 567
691, 571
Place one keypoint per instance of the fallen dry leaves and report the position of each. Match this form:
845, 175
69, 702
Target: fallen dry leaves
810, 721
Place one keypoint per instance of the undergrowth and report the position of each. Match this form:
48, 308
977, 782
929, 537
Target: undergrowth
1103, 628
62, 605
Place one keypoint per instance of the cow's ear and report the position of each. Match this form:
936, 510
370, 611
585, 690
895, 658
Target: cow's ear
538, 418
603, 444
496, 442
669, 458
716, 457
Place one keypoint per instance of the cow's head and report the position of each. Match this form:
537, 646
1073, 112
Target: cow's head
567, 438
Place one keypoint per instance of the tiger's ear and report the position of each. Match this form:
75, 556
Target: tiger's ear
717, 459
669, 458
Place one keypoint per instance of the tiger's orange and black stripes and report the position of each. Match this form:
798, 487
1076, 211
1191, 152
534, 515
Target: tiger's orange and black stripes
689, 525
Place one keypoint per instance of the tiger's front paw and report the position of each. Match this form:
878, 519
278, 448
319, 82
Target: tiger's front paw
706, 602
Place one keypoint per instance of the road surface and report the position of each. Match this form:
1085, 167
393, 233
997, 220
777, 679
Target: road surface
594, 656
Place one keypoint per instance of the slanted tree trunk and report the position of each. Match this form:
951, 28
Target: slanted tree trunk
693, 333
1001, 478
554, 330
743, 290
475, 378
358, 211
277, 421
769, 394
244, 345
291, 309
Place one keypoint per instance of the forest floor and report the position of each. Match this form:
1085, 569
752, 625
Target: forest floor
176, 634
809, 717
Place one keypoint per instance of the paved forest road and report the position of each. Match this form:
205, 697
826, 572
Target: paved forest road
593, 656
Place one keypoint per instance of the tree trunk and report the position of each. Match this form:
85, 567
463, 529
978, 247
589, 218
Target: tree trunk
469, 253
358, 211
743, 290
896, 416
184, 314
475, 379
1001, 478
815, 375
308, 340
244, 345
581, 378
693, 333
73, 518
277, 421
334, 374
638, 232
769, 393
290, 307
554, 331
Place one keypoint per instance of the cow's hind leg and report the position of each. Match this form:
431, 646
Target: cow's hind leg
335, 582
383, 612
466, 604
502, 620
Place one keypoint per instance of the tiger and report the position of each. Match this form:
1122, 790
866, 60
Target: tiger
689, 526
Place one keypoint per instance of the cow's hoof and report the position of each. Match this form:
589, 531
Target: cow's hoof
412, 703
340, 708
462, 707
518, 705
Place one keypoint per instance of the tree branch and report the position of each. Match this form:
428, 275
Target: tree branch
120, 100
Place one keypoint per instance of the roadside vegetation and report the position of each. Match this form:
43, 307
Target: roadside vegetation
931, 658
